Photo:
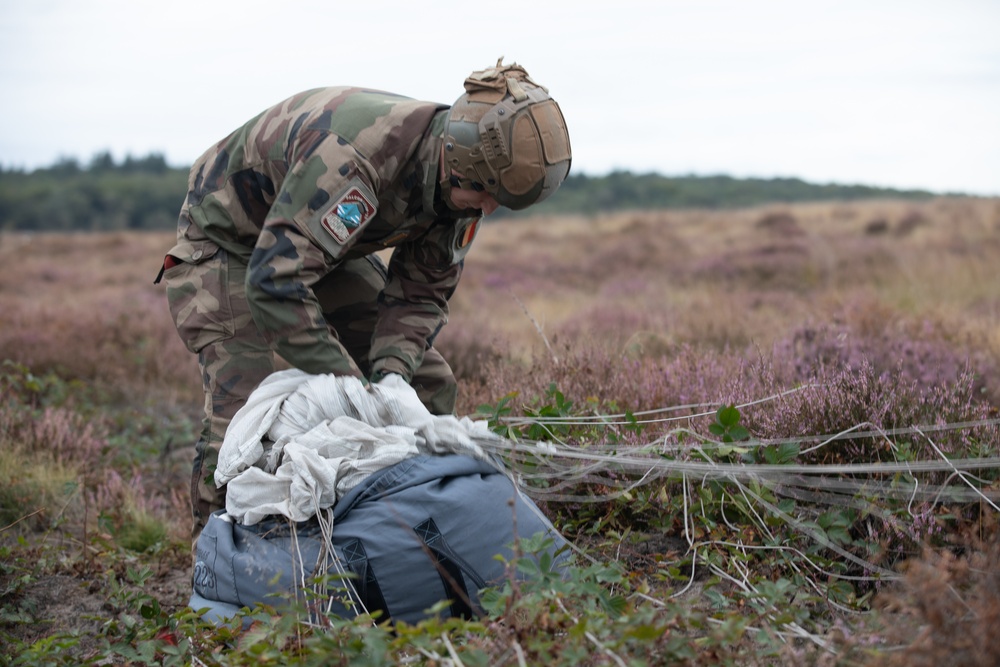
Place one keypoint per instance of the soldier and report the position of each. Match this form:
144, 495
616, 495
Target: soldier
276, 240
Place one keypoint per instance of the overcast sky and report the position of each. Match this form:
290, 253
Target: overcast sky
899, 93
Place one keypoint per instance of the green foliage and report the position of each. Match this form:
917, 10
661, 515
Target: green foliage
130, 435
18, 385
545, 420
16, 573
137, 194
727, 425
624, 190
146, 193
137, 530
785, 452
556, 618
495, 415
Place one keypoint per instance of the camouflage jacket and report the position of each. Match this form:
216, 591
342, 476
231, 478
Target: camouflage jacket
327, 175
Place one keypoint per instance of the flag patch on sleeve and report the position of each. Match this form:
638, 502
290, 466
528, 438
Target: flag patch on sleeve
354, 208
468, 234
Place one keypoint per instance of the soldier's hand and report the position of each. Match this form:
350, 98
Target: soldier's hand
378, 376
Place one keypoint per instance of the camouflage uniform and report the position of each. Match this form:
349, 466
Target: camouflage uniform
275, 248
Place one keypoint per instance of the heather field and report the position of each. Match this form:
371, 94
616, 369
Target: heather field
772, 432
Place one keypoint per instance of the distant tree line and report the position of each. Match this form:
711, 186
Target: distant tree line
624, 190
146, 193
136, 193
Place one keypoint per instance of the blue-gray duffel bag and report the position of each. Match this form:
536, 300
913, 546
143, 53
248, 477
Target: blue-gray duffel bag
417, 533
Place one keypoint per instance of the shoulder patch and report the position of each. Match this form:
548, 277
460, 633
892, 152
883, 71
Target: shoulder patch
349, 213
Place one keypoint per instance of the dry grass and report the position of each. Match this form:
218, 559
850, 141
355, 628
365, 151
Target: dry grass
946, 610
732, 276
84, 306
640, 282
647, 282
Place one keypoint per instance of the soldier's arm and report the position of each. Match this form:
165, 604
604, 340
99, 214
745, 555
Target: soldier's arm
423, 275
320, 206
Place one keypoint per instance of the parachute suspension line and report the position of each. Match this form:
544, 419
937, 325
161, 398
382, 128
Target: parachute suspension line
555, 470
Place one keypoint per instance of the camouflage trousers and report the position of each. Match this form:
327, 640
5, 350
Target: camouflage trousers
207, 298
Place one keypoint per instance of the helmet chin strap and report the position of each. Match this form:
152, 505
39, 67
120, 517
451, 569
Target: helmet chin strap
445, 186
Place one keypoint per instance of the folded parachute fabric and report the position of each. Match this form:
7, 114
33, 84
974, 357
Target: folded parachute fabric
302, 441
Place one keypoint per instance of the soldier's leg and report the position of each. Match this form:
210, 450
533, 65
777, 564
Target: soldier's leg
231, 369
435, 384
349, 297
208, 303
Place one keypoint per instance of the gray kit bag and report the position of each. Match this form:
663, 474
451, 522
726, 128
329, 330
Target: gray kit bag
417, 533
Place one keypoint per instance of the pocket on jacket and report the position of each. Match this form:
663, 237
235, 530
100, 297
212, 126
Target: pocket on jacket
198, 292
